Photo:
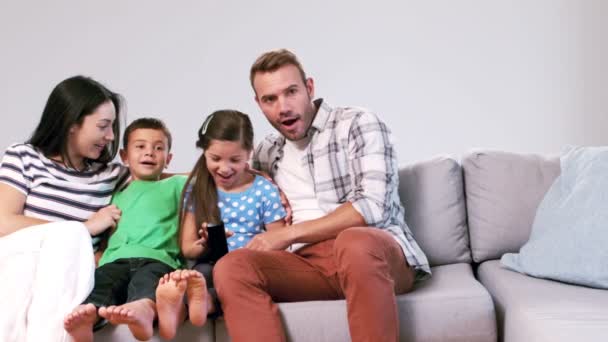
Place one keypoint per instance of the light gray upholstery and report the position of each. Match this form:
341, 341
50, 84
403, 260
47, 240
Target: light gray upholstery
532, 309
187, 332
433, 197
503, 191
451, 306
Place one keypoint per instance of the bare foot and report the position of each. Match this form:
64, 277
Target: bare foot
138, 315
198, 298
170, 303
79, 323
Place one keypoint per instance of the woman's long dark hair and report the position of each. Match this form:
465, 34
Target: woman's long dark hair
227, 125
69, 103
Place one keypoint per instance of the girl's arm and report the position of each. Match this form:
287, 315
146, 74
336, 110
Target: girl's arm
276, 225
191, 243
11, 211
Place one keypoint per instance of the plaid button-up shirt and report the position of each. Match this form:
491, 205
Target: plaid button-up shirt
351, 158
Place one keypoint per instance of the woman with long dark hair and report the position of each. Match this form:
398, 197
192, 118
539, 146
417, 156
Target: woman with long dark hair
55, 189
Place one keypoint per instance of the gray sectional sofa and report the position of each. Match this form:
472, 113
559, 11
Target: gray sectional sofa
465, 216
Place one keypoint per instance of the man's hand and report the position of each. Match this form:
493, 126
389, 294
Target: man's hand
274, 240
284, 200
105, 218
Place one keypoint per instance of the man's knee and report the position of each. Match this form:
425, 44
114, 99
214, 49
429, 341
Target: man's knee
235, 268
358, 242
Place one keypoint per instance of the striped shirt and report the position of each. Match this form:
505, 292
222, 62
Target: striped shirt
56, 193
351, 158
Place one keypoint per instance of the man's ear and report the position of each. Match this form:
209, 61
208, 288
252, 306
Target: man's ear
123, 157
310, 87
168, 160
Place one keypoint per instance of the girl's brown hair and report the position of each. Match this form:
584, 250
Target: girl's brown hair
227, 125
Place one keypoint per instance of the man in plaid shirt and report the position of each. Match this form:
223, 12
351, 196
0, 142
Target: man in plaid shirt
338, 168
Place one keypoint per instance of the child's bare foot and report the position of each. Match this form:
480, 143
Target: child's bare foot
138, 315
198, 298
170, 303
79, 323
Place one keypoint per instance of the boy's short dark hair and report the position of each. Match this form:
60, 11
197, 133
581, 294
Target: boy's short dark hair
146, 123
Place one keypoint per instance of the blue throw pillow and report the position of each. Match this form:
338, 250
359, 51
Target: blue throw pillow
569, 238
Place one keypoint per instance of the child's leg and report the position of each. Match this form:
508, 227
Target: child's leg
201, 294
170, 303
109, 280
140, 310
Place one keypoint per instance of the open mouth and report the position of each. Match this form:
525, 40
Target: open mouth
222, 177
289, 122
148, 163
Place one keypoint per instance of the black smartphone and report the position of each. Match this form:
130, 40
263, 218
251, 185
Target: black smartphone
216, 242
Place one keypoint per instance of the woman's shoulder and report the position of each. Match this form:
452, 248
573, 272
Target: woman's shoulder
24, 155
22, 149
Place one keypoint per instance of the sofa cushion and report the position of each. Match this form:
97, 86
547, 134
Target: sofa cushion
571, 223
503, 191
450, 306
433, 197
187, 332
533, 309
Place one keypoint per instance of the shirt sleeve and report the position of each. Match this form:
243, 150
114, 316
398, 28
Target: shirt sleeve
272, 209
14, 169
188, 204
374, 166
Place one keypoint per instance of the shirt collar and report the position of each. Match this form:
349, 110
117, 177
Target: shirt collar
322, 116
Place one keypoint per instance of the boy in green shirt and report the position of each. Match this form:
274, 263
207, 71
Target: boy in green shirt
144, 245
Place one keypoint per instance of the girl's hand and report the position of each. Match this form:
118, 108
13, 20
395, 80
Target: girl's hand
284, 200
204, 236
105, 218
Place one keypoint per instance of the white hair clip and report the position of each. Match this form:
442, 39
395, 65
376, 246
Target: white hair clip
205, 125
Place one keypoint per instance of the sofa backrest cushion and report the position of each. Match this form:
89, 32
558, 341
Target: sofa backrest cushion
503, 191
433, 196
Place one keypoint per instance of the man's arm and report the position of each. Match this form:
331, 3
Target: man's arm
372, 166
323, 228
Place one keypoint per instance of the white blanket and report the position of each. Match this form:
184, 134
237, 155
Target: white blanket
45, 271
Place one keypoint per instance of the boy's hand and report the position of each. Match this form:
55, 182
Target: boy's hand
105, 218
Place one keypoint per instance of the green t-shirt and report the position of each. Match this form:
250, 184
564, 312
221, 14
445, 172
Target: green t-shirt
148, 227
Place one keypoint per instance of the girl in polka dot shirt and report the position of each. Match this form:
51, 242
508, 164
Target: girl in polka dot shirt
221, 189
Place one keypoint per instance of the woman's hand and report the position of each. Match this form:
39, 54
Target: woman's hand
105, 218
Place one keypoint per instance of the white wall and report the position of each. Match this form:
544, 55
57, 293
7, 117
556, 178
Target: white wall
523, 76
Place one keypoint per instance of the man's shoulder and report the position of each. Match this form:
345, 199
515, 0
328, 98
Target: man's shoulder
271, 140
349, 119
351, 113
268, 147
